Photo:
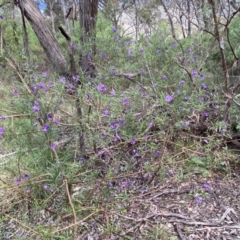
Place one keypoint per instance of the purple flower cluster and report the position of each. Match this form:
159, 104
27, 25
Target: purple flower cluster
101, 88
2, 130
24, 177
169, 98
36, 106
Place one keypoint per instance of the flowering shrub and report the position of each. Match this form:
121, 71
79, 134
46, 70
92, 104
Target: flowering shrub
151, 105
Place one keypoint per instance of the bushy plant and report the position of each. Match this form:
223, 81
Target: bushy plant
152, 111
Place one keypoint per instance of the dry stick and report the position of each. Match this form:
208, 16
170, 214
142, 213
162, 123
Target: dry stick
179, 232
129, 76
221, 227
15, 220
45, 201
73, 209
144, 219
158, 168
74, 224
171, 191
19, 74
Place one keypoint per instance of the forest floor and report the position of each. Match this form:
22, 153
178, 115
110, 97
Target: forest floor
169, 210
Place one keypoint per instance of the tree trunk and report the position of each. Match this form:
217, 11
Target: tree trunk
52, 17
66, 22
88, 17
189, 19
45, 36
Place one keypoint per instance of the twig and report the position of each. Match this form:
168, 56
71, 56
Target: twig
79, 222
6, 155
153, 215
171, 191
193, 223
19, 74
70, 201
129, 76
221, 227
179, 232
73, 209
131, 229
24, 226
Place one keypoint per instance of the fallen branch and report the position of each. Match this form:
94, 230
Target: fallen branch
179, 232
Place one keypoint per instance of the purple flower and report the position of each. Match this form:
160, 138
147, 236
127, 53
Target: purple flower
157, 152
105, 56
106, 112
3, 117
125, 184
158, 51
62, 80
44, 74
18, 180
164, 77
25, 176
194, 73
186, 124
1, 17
125, 101
195, 57
2, 130
56, 121
81, 160
45, 127
169, 98
121, 122
15, 92
113, 71
133, 141
35, 108
189, 51
141, 51
146, 137
49, 116
34, 89
129, 53
114, 29
136, 154
113, 92
201, 99
181, 82
74, 46
203, 86
88, 97
88, 57
101, 88
206, 186
41, 85
45, 187
53, 145
174, 44
170, 172
202, 76
113, 125
199, 200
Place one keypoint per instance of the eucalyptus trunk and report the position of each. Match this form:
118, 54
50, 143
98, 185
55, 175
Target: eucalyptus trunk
44, 34
88, 17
